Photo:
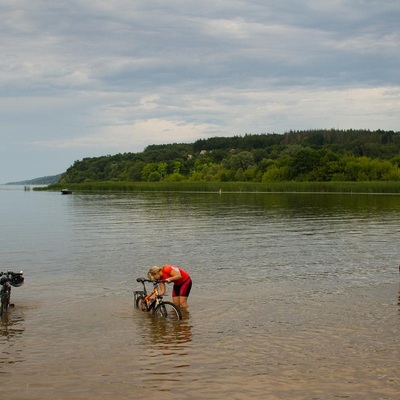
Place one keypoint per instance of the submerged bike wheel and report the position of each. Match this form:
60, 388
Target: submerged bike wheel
168, 310
141, 303
136, 295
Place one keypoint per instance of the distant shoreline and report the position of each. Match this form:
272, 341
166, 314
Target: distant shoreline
44, 180
232, 187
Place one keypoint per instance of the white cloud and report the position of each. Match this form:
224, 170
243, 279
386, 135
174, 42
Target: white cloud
134, 137
84, 77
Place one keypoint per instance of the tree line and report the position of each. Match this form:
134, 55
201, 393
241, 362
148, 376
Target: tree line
312, 155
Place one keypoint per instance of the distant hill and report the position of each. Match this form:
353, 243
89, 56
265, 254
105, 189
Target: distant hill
44, 180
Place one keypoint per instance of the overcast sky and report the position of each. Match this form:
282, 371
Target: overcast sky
86, 78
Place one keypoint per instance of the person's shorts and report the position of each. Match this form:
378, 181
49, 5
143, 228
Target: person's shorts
183, 289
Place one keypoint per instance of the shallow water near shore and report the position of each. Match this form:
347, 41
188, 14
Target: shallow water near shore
295, 296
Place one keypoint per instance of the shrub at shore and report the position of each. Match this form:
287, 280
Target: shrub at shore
232, 187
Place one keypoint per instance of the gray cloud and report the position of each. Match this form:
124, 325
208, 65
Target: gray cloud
85, 78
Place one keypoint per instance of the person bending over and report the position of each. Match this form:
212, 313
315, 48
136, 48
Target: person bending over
180, 278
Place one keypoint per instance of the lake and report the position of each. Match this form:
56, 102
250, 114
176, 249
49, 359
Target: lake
295, 296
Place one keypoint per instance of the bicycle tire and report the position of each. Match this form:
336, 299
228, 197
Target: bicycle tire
136, 295
168, 311
141, 303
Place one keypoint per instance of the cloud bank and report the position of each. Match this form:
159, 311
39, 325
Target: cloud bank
81, 79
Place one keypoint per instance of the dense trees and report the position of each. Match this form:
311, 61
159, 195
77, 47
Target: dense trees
316, 155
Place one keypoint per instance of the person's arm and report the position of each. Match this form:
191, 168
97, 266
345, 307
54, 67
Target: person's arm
161, 290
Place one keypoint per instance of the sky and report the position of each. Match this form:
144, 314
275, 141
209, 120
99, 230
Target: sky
83, 78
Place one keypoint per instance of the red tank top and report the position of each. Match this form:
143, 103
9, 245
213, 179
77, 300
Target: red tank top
166, 273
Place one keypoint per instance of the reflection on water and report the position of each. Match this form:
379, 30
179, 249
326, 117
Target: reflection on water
10, 326
11, 349
168, 345
398, 301
166, 335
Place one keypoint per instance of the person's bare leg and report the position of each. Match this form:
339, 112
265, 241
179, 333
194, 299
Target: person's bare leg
183, 302
176, 300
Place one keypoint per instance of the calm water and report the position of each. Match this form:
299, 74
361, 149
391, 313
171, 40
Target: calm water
295, 296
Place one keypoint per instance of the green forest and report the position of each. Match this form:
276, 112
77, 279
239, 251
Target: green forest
299, 156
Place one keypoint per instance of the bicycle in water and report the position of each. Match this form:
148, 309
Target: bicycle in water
153, 302
8, 279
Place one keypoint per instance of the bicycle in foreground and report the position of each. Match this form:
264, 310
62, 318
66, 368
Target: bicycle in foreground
8, 279
153, 302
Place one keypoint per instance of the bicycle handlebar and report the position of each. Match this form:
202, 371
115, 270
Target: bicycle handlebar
14, 278
154, 281
11, 273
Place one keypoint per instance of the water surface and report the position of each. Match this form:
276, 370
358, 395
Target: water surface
295, 296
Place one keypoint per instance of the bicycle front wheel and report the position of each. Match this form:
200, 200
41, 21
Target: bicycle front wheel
168, 310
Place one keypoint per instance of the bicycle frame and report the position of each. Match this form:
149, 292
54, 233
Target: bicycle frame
151, 299
8, 279
154, 302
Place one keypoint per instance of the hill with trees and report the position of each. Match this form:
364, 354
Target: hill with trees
313, 155
44, 180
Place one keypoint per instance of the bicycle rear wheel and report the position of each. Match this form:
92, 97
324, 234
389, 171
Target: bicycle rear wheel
168, 310
141, 303
136, 296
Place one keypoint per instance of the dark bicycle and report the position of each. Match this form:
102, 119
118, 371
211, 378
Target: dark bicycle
153, 302
8, 279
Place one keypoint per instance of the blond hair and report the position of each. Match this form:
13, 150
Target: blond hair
153, 271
